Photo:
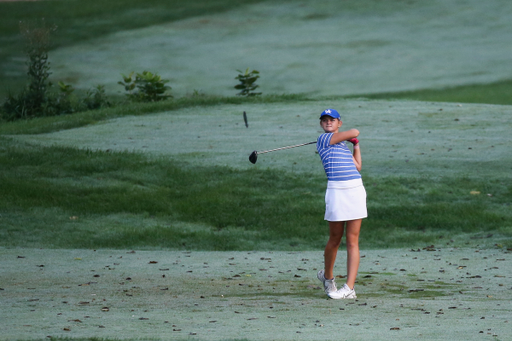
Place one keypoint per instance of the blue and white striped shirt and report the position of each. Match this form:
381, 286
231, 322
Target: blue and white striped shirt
337, 159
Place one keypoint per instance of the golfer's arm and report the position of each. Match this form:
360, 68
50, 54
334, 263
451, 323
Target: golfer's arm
344, 135
356, 155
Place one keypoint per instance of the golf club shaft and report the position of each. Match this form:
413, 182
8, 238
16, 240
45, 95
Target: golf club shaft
287, 147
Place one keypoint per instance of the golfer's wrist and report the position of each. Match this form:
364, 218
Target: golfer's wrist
356, 146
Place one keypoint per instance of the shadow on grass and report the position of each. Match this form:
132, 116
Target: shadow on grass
491, 93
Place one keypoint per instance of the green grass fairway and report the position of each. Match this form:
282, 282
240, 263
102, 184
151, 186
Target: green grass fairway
146, 221
402, 295
434, 172
320, 48
400, 138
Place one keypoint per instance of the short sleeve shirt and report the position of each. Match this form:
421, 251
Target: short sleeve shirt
336, 159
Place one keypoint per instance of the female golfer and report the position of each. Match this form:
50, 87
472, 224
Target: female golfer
345, 200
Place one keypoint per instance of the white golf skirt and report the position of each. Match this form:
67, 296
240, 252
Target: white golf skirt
345, 200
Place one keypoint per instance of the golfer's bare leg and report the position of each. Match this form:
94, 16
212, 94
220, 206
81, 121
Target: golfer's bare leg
331, 249
353, 257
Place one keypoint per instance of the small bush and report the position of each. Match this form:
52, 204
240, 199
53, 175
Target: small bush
150, 87
247, 85
37, 99
31, 100
96, 98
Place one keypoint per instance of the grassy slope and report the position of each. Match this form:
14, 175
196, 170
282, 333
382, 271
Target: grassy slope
53, 184
183, 196
372, 48
322, 48
62, 198
79, 21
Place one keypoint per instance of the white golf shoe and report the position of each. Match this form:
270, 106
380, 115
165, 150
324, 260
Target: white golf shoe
344, 293
329, 284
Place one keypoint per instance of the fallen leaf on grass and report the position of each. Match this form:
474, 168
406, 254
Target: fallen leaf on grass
394, 328
152, 262
315, 287
88, 283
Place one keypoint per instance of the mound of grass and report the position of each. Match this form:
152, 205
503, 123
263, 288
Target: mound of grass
68, 198
434, 173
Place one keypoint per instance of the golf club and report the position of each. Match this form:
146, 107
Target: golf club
245, 120
254, 155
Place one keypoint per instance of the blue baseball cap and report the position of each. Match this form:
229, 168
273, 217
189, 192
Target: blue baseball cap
332, 113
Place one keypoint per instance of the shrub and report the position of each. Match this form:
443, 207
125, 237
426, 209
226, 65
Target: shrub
96, 98
31, 100
150, 87
37, 98
247, 85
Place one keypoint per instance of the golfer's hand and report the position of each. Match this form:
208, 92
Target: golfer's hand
354, 141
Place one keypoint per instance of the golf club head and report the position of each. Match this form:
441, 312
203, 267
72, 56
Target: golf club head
253, 157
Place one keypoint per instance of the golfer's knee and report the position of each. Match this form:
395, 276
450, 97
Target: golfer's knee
352, 243
334, 242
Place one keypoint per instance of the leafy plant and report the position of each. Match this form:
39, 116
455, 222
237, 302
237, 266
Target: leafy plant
37, 98
96, 98
150, 87
247, 80
59, 103
38, 44
33, 98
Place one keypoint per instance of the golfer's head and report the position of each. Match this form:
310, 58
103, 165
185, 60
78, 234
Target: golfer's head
330, 121
330, 113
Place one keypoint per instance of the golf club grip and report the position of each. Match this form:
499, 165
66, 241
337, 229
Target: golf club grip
287, 147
